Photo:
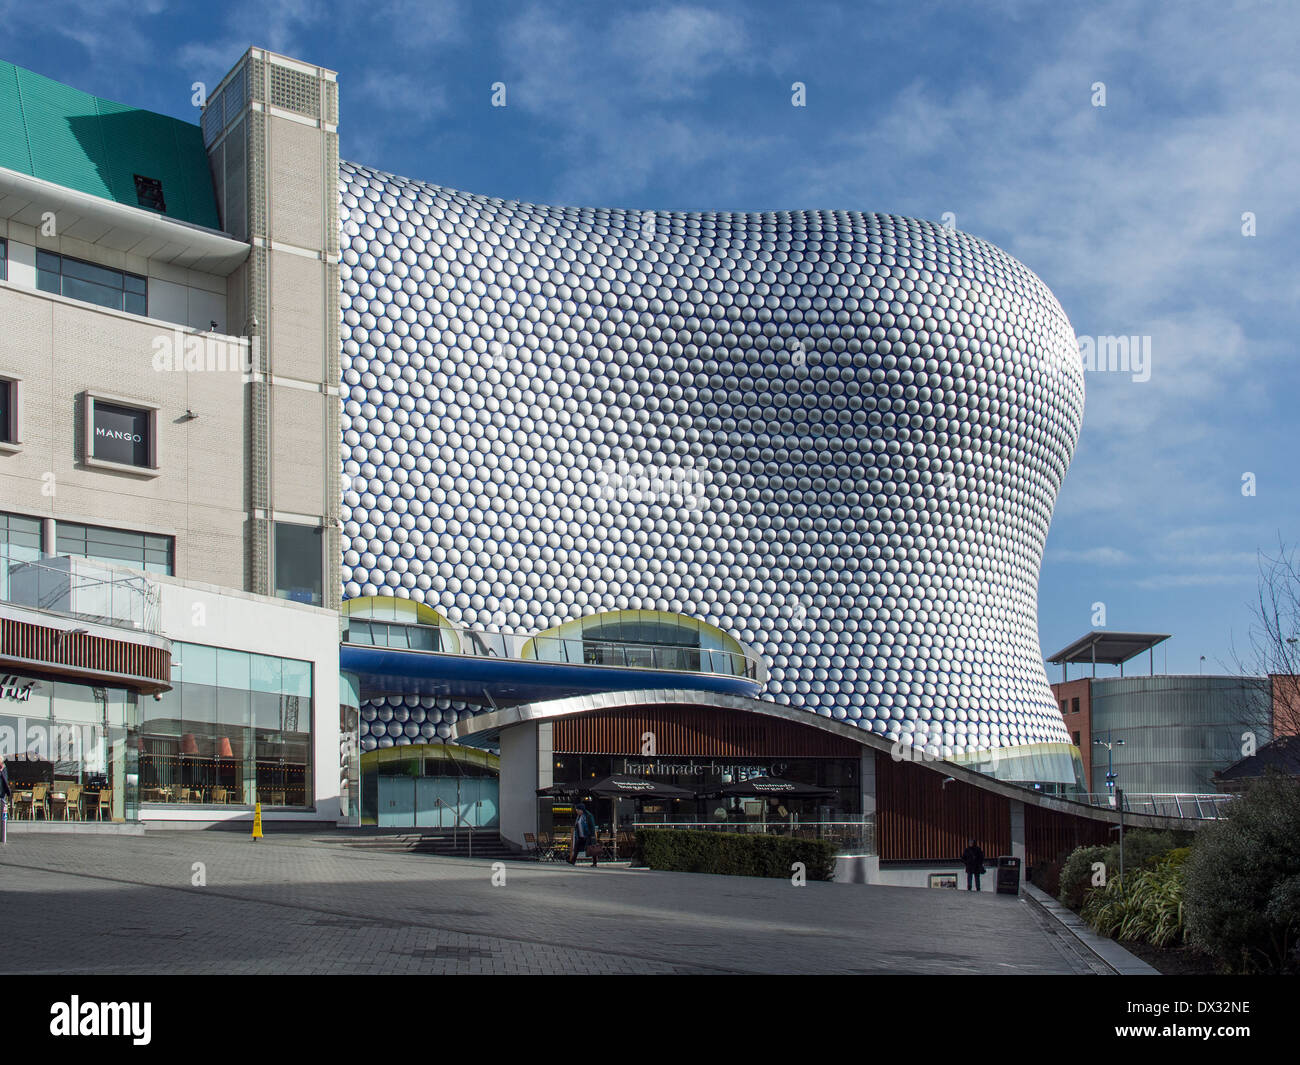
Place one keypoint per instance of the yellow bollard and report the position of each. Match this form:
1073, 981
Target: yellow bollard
257, 822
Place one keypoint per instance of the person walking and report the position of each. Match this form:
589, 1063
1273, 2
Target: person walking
973, 859
584, 835
6, 792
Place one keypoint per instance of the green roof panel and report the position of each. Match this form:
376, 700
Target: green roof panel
62, 135
14, 152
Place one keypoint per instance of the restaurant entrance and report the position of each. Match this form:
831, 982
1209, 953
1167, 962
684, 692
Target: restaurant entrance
702, 751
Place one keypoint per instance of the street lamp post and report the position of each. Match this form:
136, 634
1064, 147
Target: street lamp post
1110, 746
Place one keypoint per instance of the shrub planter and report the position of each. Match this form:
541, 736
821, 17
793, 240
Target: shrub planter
732, 853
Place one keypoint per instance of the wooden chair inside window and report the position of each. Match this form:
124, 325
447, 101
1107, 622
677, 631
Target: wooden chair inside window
72, 805
58, 806
22, 801
40, 801
102, 807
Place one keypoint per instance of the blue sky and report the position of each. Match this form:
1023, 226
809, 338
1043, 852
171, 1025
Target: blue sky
1132, 212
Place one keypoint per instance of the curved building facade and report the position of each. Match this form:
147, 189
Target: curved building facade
837, 437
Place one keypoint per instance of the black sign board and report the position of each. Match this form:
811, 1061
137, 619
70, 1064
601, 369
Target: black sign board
120, 434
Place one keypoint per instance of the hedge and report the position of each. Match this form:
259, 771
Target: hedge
733, 853
1243, 881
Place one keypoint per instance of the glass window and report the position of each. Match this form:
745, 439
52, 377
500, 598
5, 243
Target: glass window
20, 538
70, 759
299, 563
4, 260
244, 740
266, 673
8, 411
90, 283
142, 551
20, 541
296, 678
199, 663
233, 669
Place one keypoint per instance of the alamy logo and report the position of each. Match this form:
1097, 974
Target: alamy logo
1112, 354
103, 1018
204, 352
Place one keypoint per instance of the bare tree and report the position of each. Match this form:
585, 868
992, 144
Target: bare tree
1274, 650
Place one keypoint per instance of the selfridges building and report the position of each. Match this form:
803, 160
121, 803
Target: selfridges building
836, 436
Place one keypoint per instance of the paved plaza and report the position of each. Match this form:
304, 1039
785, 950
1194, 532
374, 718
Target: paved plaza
295, 904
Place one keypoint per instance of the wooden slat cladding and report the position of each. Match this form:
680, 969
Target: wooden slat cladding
37, 648
917, 818
695, 731
1050, 834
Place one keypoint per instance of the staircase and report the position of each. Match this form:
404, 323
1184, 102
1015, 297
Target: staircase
441, 842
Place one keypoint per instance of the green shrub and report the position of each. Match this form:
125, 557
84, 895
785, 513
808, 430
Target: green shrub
1243, 881
1144, 905
733, 853
1076, 874
1142, 848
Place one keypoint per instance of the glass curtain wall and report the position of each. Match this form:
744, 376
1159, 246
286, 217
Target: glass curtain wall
69, 750
235, 729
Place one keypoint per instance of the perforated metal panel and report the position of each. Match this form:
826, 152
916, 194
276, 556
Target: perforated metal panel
837, 436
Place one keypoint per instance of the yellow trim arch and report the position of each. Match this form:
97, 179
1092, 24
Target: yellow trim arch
565, 642
403, 612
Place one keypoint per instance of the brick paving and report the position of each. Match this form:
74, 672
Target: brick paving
293, 904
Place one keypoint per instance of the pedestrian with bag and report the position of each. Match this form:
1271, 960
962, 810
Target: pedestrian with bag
584, 835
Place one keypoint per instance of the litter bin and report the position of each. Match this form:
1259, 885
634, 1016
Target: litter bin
1008, 875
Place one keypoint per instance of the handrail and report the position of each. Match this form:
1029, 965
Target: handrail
455, 832
1190, 806
590, 652
78, 587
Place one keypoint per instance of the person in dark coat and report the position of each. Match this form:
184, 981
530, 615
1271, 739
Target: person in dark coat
973, 859
584, 835
6, 792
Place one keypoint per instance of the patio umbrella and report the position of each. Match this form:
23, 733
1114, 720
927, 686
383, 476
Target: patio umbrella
637, 788
620, 785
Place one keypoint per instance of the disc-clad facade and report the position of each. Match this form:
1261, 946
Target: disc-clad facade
838, 437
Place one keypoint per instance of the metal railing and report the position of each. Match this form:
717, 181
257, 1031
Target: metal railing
1196, 807
568, 650
851, 837
455, 829
81, 589
631, 655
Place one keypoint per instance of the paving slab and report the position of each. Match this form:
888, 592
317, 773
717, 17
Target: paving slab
216, 902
